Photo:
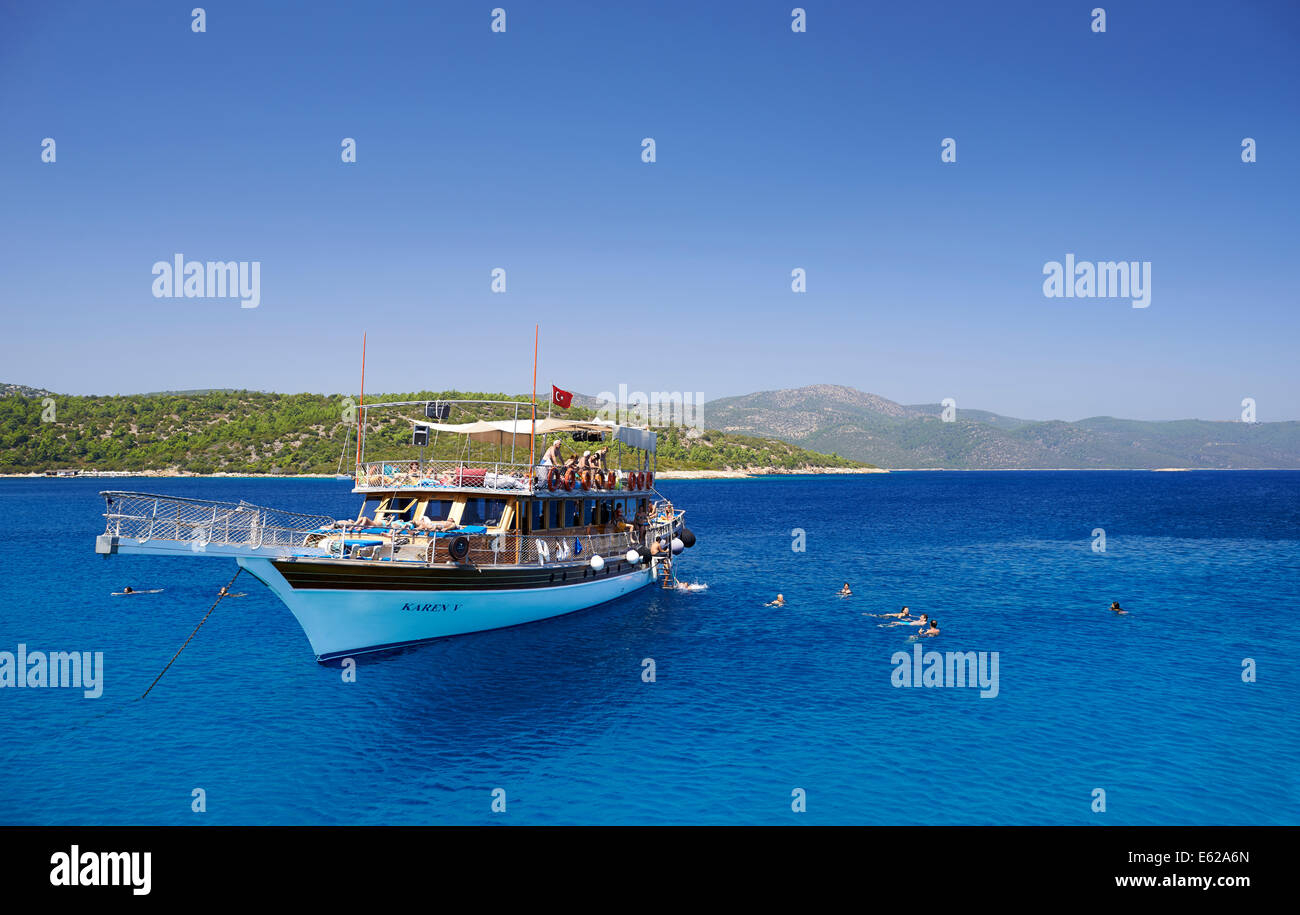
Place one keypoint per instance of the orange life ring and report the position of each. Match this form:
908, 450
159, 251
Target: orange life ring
649, 481
553, 478
612, 481
586, 479
567, 482
640, 480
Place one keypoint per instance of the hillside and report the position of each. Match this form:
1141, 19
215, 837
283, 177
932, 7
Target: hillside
257, 432
867, 427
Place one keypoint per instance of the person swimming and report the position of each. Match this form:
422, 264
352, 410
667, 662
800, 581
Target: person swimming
846, 591
128, 590
933, 630
1114, 605
925, 618
779, 602
900, 615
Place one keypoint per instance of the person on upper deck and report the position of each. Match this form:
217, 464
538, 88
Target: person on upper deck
554, 455
425, 523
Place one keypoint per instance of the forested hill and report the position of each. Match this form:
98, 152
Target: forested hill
257, 432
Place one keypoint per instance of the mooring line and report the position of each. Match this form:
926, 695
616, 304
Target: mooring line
220, 595
223, 593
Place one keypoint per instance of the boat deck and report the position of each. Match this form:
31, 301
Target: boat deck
145, 523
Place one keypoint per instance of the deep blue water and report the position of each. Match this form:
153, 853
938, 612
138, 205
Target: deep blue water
750, 702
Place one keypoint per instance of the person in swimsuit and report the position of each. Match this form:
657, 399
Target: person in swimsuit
908, 622
846, 591
779, 602
1114, 605
933, 630
425, 523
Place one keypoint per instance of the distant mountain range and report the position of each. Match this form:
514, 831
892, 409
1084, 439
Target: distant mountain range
817, 426
866, 427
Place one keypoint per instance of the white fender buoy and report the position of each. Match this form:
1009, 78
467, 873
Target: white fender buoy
597, 563
678, 546
633, 557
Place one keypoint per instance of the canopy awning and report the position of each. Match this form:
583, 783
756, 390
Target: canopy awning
505, 431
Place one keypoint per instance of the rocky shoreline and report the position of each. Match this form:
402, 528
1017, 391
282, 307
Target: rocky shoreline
741, 474
750, 472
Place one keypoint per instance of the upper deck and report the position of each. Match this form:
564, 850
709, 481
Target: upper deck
500, 455
493, 478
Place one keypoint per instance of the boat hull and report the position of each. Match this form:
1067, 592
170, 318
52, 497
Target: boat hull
348, 608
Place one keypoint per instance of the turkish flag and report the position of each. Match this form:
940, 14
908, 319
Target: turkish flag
560, 398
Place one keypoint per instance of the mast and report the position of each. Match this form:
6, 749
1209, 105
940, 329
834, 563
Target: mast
361, 409
532, 431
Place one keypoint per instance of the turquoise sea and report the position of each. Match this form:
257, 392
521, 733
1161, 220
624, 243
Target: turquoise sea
749, 705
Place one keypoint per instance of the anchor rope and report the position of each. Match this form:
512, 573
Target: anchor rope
222, 594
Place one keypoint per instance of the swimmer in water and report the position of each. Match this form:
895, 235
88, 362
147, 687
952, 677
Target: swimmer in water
779, 602
1114, 605
846, 591
128, 590
933, 630
925, 618
900, 615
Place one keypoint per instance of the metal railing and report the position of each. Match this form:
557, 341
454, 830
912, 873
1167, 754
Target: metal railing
535, 549
483, 476
143, 516
479, 475
502, 549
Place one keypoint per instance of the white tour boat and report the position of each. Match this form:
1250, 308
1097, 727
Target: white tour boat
440, 547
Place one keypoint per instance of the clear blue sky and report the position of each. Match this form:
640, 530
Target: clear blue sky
775, 150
